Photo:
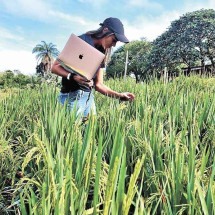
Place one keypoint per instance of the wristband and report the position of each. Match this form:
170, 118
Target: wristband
68, 76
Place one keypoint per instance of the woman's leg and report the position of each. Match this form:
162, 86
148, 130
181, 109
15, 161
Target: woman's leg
86, 104
81, 100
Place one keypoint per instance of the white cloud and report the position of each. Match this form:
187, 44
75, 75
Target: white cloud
31, 8
14, 40
211, 4
46, 12
41, 10
152, 27
144, 4
94, 3
191, 5
23, 61
77, 20
6, 34
135, 28
149, 27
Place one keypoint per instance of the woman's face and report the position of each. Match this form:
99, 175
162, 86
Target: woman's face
109, 41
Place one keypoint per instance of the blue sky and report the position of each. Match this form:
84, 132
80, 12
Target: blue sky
25, 23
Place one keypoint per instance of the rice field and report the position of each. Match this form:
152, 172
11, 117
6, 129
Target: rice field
152, 156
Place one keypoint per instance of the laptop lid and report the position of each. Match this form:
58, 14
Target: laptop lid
80, 57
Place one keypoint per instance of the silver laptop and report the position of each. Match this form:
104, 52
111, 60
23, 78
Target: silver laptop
80, 58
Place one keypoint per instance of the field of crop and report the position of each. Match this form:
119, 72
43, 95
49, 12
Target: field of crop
152, 156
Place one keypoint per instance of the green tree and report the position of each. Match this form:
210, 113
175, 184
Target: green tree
116, 66
45, 54
14, 79
8, 78
189, 41
138, 52
21, 80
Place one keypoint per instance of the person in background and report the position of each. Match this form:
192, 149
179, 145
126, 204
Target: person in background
76, 90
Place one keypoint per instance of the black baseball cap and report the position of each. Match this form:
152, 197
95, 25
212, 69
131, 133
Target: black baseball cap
116, 26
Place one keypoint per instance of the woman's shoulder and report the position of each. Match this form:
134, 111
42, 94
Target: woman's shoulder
87, 38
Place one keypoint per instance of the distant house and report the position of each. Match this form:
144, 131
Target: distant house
207, 69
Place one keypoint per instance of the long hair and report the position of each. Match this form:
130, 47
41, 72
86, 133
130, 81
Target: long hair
99, 34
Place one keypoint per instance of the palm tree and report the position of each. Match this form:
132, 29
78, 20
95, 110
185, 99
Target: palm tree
45, 54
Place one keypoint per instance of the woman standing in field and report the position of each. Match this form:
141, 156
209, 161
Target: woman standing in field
75, 89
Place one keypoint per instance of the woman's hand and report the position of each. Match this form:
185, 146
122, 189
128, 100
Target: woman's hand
83, 81
126, 96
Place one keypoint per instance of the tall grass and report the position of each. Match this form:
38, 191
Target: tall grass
152, 156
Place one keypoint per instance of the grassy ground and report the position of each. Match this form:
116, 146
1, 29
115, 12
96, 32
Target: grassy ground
152, 156
3, 95
7, 92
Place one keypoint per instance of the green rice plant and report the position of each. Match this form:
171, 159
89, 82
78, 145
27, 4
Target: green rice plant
152, 156
131, 187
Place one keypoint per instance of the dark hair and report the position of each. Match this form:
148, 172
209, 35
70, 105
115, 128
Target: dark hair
99, 33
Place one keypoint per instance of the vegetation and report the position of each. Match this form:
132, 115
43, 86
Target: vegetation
10, 79
153, 156
45, 55
138, 52
188, 42
13, 81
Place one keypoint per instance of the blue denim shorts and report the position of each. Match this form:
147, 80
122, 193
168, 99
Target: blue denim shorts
81, 100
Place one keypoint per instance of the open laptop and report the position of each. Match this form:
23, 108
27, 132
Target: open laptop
80, 58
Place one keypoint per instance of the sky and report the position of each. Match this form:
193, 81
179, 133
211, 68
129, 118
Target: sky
25, 23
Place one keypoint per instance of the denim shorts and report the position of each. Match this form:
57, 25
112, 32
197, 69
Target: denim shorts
81, 100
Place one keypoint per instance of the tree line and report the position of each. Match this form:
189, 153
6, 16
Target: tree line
188, 42
15, 79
